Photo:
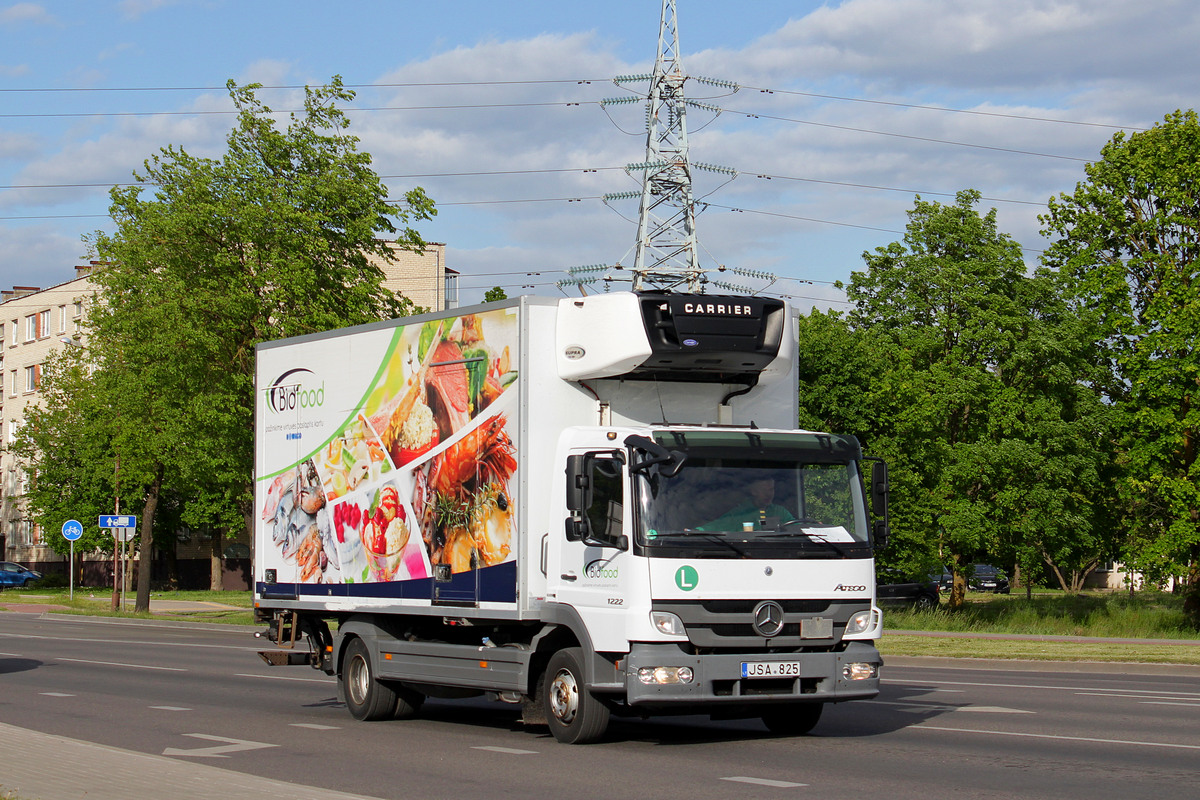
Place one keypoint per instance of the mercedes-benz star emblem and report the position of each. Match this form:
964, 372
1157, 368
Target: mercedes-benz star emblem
768, 618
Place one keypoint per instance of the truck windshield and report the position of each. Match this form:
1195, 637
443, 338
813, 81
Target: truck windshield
755, 495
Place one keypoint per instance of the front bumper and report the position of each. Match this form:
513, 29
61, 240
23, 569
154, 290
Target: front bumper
718, 682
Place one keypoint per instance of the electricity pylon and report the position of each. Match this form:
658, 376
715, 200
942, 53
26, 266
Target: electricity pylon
665, 253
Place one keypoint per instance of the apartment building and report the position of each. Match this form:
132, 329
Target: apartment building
36, 322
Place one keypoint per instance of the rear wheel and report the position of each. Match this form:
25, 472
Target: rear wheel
575, 716
366, 697
793, 720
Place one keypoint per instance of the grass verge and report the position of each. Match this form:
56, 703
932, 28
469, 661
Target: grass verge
1145, 615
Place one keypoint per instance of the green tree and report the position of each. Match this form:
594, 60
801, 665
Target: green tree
973, 401
271, 240
1127, 244
75, 479
495, 294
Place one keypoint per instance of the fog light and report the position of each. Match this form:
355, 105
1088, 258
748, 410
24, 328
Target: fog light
859, 671
665, 675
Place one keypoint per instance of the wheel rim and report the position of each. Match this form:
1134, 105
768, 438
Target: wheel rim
359, 680
564, 697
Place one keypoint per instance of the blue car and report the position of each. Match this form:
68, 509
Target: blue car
13, 574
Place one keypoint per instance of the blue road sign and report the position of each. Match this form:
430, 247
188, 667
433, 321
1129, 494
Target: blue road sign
118, 521
72, 529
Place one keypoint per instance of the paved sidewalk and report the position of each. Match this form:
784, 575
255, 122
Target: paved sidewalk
39, 766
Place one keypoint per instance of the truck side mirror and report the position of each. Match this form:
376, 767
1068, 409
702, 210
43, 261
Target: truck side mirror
879, 503
579, 483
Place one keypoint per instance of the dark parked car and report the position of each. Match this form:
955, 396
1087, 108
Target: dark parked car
894, 588
986, 578
13, 574
989, 579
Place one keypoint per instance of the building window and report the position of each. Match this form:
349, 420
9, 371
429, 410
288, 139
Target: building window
62, 319
33, 376
12, 384
15, 327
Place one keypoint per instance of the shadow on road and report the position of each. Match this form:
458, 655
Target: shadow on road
8, 665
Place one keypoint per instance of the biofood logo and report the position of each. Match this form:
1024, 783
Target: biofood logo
288, 392
600, 569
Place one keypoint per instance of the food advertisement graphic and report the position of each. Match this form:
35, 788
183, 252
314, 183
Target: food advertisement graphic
385, 453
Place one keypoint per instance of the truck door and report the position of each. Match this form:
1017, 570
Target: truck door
590, 561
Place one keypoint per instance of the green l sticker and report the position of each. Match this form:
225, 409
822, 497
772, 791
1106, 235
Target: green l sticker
686, 578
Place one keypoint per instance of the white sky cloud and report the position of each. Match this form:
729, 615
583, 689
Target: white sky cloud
1103, 62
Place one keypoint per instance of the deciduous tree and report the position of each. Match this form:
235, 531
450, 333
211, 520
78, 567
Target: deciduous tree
1127, 244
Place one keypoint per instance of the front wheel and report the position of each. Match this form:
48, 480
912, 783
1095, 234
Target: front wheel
793, 720
366, 697
574, 714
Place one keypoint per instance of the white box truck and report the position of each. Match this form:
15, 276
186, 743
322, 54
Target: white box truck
587, 506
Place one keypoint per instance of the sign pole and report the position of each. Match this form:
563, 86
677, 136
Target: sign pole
72, 530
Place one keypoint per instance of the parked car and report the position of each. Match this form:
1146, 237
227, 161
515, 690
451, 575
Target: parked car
989, 579
13, 574
985, 578
894, 588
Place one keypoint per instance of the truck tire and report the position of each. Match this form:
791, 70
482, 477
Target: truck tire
408, 702
575, 716
794, 719
366, 697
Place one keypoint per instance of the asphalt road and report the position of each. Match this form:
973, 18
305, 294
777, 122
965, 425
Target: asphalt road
202, 695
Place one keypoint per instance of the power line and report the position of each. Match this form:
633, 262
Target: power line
948, 110
356, 86
575, 81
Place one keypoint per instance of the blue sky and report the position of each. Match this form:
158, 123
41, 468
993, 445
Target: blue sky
828, 158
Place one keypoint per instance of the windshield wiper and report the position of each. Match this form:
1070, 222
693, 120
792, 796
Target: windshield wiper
710, 537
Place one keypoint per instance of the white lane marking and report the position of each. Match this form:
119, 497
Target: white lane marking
1058, 688
1127, 696
217, 751
1091, 739
766, 782
56, 694
283, 678
119, 664
916, 707
7, 635
1168, 703
170, 708
512, 751
314, 726
12, 655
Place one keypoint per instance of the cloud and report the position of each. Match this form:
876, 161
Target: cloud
517, 166
134, 9
25, 13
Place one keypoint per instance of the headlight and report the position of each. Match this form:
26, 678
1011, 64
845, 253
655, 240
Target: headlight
858, 623
668, 623
664, 675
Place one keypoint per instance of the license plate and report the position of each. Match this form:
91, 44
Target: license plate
770, 669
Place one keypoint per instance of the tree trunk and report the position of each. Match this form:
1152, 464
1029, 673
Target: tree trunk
217, 566
146, 553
